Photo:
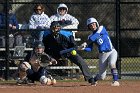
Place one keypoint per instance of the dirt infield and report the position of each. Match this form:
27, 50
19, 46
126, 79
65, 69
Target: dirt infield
73, 87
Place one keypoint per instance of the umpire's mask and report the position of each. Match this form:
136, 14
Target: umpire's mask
55, 27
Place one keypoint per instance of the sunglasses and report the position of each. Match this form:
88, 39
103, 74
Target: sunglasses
38, 9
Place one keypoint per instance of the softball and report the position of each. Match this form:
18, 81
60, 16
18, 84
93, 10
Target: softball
73, 52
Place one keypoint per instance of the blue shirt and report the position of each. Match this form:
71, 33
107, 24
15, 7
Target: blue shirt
101, 38
12, 20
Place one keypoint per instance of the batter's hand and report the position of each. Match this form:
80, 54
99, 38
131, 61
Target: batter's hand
82, 46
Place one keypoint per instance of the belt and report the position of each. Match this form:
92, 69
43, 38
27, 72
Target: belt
105, 51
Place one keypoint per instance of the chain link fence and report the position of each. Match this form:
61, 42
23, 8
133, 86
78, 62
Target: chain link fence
106, 13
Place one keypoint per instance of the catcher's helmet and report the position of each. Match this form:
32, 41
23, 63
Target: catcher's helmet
39, 44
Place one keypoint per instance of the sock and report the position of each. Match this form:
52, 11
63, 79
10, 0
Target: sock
114, 74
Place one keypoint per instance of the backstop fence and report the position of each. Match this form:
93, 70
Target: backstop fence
120, 17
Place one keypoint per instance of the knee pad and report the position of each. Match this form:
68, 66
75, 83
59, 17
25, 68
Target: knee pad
24, 66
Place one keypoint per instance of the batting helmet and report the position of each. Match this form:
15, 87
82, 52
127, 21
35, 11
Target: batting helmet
92, 20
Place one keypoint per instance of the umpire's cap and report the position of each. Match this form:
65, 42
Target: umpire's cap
55, 23
39, 44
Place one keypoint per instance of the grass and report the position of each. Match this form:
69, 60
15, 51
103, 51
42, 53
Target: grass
130, 64
127, 64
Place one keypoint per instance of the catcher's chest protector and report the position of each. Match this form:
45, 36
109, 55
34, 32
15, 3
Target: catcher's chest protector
34, 61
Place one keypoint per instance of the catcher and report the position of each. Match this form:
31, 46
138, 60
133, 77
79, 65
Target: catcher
34, 67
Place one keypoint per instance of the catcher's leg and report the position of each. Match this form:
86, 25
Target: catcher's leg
22, 72
22, 78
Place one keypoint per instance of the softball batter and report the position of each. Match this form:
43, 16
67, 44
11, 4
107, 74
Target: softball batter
107, 53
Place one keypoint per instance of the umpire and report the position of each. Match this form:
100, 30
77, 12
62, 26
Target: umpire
56, 40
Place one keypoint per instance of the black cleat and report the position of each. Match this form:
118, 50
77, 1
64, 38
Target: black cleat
92, 81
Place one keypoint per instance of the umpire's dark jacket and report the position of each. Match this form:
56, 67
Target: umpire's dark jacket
54, 44
64, 40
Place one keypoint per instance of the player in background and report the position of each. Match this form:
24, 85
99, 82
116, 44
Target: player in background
32, 70
57, 40
107, 53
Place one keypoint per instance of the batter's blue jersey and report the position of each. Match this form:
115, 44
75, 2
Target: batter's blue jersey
101, 38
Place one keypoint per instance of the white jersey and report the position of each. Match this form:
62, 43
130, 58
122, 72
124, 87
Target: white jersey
57, 17
74, 21
39, 20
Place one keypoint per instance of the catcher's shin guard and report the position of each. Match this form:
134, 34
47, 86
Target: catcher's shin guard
23, 70
22, 74
22, 77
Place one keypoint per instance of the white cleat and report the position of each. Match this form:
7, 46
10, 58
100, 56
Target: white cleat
115, 83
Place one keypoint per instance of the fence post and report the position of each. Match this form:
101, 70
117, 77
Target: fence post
7, 40
118, 37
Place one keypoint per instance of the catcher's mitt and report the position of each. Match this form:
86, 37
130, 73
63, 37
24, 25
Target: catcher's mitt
44, 60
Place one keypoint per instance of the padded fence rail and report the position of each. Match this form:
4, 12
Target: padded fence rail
54, 67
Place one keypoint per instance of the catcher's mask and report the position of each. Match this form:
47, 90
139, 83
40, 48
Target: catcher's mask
39, 47
55, 27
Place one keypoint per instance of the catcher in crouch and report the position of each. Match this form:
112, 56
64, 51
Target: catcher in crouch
33, 67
